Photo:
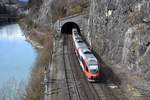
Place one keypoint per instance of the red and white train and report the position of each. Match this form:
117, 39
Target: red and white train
88, 61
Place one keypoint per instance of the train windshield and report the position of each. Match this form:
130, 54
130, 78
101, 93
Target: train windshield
80, 41
87, 52
93, 66
77, 38
94, 70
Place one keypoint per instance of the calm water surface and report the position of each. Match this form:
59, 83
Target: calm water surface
16, 55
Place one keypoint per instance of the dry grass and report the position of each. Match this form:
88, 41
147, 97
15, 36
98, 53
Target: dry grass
76, 9
135, 18
37, 36
35, 5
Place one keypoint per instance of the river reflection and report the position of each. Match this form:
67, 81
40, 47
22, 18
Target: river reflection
16, 55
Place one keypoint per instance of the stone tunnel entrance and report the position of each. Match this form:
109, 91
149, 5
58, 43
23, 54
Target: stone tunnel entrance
67, 28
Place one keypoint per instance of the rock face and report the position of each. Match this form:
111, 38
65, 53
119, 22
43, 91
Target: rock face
119, 31
47, 12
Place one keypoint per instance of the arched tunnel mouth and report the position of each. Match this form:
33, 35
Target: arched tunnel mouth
68, 26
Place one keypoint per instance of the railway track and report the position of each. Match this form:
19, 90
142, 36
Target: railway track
74, 77
65, 69
78, 88
71, 81
99, 95
108, 93
88, 93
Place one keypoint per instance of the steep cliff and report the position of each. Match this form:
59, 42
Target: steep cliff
47, 12
119, 31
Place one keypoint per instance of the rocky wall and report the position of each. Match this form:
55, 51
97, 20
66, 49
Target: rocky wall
119, 31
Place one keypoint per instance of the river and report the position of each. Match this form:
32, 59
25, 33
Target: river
17, 58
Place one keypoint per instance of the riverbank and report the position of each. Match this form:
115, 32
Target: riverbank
41, 39
35, 44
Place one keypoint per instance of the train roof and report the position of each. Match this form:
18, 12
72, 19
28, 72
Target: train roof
81, 45
86, 51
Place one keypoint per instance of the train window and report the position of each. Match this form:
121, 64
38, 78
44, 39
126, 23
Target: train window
80, 41
87, 52
77, 38
86, 68
81, 58
84, 64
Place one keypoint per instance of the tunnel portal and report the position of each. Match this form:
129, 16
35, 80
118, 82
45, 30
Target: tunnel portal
67, 28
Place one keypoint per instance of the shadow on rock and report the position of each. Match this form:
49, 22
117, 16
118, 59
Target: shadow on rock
108, 76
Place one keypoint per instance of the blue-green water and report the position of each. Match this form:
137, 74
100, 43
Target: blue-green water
17, 56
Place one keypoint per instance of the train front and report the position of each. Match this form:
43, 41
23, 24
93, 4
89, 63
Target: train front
93, 73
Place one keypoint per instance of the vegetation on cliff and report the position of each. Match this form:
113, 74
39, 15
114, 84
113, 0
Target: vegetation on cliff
63, 8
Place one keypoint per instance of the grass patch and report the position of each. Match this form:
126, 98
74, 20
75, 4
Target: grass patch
64, 8
76, 9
